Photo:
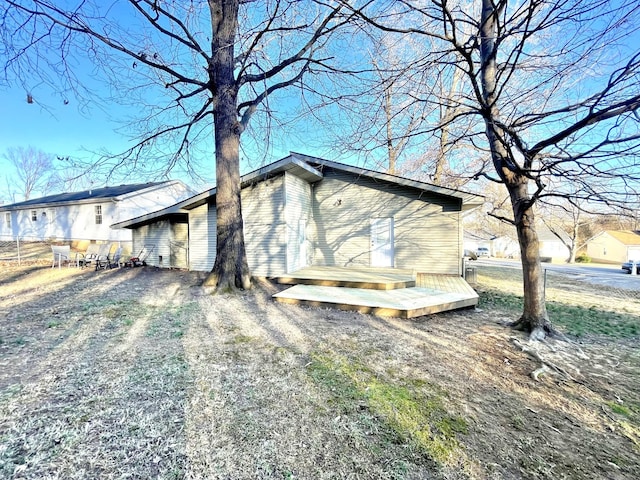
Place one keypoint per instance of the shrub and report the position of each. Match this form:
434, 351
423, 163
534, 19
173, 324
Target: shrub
583, 258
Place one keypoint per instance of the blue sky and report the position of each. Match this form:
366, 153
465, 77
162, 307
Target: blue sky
62, 130
51, 126
77, 130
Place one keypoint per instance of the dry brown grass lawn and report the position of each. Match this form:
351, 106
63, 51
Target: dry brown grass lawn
139, 373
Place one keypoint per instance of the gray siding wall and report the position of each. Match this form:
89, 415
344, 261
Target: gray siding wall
202, 237
428, 232
163, 235
265, 227
157, 234
264, 230
297, 209
179, 246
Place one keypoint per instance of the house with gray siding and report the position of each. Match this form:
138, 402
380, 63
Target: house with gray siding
302, 211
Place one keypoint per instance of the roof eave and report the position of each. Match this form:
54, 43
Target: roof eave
469, 200
147, 218
11, 208
151, 188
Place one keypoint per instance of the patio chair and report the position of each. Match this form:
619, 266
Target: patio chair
141, 259
61, 254
114, 261
102, 257
89, 256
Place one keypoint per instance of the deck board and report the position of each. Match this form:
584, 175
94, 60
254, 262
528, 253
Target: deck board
433, 293
353, 277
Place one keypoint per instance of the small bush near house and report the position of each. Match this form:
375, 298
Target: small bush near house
583, 258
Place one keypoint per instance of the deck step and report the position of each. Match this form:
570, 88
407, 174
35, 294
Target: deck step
404, 303
364, 278
367, 285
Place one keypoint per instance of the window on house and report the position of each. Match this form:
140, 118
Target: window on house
34, 216
7, 217
98, 214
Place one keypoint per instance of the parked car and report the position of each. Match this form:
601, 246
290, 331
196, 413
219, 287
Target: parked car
482, 252
470, 254
627, 266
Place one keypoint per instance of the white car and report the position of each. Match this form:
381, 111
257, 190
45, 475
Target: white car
483, 252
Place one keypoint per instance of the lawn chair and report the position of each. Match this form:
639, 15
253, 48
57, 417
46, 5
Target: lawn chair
61, 254
102, 259
114, 261
141, 259
88, 257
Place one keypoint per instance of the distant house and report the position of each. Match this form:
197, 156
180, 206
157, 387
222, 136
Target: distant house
553, 248
87, 215
472, 241
505, 247
614, 246
302, 211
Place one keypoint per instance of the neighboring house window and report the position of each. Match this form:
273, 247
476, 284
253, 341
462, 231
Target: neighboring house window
34, 216
98, 214
7, 217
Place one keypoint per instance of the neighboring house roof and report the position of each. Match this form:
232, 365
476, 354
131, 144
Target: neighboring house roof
478, 236
308, 168
86, 196
545, 234
626, 237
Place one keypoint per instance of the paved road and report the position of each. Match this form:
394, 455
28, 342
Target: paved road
609, 275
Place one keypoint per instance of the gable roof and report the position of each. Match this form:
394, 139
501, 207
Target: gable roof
86, 196
310, 169
468, 199
546, 234
626, 237
477, 237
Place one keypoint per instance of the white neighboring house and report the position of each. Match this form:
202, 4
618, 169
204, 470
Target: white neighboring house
552, 249
505, 247
87, 215
472, 241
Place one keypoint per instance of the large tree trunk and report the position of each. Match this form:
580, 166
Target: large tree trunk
534, 318
230, 269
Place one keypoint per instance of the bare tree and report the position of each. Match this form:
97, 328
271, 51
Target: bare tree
566, 219
197, 70
389, 120
34, 170
555, 84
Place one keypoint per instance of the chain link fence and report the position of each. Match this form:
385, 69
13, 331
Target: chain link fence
22, 251
18, 250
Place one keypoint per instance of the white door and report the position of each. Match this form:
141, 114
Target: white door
382, 242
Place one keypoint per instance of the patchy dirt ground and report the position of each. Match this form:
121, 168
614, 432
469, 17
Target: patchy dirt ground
140, 373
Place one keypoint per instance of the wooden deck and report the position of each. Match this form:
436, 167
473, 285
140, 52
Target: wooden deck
368, 278
432, 293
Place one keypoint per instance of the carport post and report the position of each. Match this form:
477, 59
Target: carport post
633, 267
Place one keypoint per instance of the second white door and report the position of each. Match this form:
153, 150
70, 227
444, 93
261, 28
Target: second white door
382, 242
